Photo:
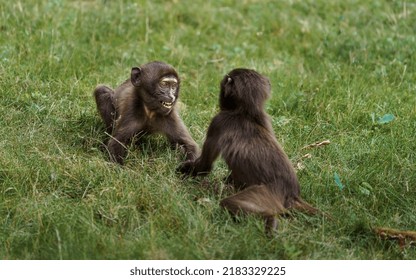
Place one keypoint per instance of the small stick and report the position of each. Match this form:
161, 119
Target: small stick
317, 144
402, 236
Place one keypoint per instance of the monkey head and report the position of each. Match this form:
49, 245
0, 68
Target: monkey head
157, 83
244, 90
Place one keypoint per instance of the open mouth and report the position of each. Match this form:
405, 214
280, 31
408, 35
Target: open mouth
167, 104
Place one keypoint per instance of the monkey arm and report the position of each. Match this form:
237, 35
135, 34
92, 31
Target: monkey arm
178, 135
210, 152
123, 133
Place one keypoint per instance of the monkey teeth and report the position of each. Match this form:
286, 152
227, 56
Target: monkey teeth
167, 104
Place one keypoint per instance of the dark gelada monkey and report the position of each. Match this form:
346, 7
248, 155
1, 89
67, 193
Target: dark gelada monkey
242, 134
145, 103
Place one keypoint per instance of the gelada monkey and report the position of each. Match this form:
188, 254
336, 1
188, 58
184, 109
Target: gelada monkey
242, 134
145, 103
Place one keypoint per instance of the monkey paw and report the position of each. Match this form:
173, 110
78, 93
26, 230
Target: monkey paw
187, 168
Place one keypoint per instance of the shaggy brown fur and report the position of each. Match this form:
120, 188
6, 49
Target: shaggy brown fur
145, 103
242, 134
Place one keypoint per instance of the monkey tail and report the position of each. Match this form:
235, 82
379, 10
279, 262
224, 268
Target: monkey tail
303, 206
256, 199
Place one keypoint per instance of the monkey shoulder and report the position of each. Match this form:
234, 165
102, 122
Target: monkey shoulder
218, 124
126, 88
125, 97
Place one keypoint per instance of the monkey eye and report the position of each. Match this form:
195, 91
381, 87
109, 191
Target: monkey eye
168, 84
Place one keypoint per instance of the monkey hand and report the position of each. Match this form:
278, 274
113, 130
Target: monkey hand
187, 168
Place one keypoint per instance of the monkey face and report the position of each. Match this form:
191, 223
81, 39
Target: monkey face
167, 92
162, 94
158, 85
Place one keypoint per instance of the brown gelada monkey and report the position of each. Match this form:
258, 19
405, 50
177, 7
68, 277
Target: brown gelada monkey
242, 134
143, 104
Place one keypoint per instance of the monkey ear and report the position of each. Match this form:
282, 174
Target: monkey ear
135, 76
227, 90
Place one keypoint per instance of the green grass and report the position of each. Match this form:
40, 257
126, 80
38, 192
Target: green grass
335, 68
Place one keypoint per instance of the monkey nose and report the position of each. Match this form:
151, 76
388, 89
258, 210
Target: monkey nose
172, 98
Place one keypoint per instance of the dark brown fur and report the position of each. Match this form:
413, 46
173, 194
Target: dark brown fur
242, 134
145, 103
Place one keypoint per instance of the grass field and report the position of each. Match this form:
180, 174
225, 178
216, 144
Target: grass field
336, 68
